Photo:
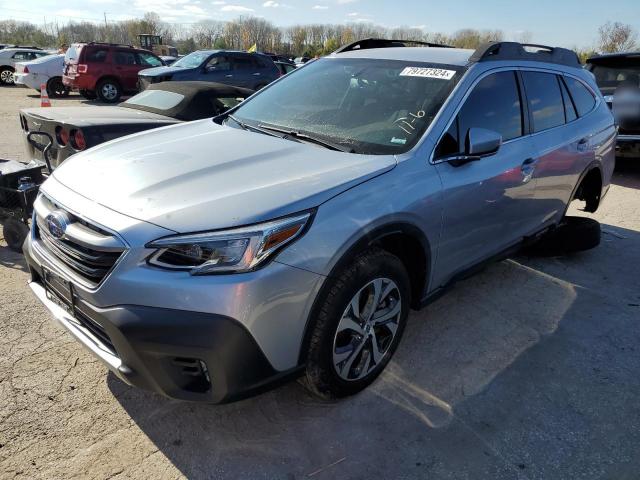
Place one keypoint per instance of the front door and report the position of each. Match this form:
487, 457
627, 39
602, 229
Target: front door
127, 69
218, 69
486, 203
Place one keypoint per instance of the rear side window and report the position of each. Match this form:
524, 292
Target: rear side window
494, 104
582, 97
243, 62
99, 55
545, 100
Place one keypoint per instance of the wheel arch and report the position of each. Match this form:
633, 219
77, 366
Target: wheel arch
589, 187
402, 239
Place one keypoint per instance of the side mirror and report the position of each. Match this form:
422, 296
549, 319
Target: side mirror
478, 143
481, 142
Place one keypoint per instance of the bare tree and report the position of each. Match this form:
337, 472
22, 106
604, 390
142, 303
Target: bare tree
616, 37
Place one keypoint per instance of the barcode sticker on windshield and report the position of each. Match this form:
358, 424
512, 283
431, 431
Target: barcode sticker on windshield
428, 73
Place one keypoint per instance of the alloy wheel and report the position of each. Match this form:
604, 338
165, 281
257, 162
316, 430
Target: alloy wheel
6, 76
367, 328
109, 91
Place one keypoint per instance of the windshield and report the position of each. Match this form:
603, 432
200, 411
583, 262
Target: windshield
613, 74
158, 99
192, 60
369, 106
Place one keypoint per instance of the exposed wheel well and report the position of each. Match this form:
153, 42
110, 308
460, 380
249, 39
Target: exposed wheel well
412, 254
590, 189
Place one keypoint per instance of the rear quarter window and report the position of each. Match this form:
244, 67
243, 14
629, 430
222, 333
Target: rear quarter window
582, 97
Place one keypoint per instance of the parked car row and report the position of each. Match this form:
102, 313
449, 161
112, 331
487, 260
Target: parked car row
109, 71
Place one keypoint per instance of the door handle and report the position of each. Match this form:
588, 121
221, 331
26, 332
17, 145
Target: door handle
583, 144
228, 76
256, 74
527, 169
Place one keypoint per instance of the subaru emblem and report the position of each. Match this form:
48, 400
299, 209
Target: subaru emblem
57, 223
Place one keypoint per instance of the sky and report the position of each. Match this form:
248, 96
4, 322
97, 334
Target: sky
569, 23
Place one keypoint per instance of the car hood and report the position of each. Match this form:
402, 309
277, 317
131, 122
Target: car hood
90, 116
159, 71
202, 176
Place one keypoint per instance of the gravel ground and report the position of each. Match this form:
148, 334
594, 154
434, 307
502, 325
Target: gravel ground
528, 370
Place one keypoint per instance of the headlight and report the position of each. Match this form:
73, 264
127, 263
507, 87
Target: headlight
225, 251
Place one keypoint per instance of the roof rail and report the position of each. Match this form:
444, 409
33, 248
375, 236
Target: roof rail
367, 43
495, 51
111, 44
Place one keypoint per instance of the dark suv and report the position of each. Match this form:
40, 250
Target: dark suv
105, 70
241, 69
618, 77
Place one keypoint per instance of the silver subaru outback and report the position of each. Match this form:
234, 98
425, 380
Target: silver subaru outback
292, 235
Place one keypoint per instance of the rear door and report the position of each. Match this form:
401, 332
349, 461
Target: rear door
125, 63
486, 203
563, 141
248, 72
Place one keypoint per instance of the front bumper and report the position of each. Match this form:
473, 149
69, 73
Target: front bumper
180, 354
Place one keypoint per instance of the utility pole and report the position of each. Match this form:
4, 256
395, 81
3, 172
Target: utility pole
106, 28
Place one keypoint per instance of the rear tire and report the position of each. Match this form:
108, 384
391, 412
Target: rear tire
88, 94
55, 88
109, 91
6, 75
364, 307
15, 233
573, 234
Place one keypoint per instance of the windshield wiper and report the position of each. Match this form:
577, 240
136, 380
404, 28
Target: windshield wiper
246, 126
296, 134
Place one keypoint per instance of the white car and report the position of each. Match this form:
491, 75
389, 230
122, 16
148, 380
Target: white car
45, 70
10, 56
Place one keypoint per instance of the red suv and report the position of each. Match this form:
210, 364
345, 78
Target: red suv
105, 70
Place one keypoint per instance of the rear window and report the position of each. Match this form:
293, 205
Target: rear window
158, 99
73, 53
582, 97
545, 100
616, 72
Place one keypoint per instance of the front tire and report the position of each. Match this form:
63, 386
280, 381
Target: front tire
109, 91
360, 319
15, 232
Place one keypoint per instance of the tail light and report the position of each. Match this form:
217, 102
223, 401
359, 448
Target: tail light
62, 136
82, 68
25, 69
77, 140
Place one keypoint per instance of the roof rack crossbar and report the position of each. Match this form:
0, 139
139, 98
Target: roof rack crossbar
495, 51
367, 43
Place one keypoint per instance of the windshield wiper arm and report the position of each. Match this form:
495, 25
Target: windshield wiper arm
310, 138
246, 126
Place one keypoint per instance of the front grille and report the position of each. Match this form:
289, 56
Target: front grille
86, 250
